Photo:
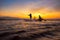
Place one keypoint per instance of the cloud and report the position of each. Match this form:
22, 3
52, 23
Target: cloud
24, 7
57, 5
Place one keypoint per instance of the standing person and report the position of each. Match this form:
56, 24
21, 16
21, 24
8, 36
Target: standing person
40, 19
30, 16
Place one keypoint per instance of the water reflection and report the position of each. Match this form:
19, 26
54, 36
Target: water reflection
16, 29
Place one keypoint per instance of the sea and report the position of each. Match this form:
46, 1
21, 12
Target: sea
29, 30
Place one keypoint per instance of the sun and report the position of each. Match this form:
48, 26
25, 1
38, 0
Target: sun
36, 15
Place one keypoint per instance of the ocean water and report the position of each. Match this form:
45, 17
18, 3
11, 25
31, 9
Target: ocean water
29, 30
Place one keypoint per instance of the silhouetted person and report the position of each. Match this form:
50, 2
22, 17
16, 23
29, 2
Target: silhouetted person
40, 18
30, 16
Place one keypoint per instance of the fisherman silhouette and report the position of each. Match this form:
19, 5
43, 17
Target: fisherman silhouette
40, 18
30, 16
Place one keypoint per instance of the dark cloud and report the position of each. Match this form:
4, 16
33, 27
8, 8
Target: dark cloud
54, 4
57, 5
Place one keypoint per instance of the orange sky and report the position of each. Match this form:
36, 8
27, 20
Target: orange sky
46, 12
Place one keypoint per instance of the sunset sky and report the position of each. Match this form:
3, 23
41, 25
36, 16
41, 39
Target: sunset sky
48, 9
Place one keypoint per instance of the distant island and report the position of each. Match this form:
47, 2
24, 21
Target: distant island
9, 18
